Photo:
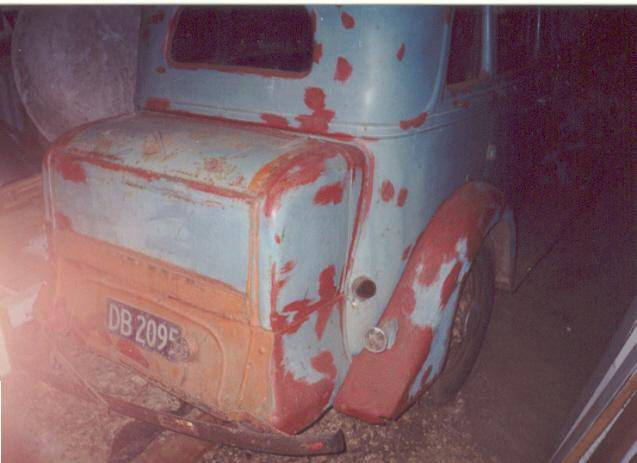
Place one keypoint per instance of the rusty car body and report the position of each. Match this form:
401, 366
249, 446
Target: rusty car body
287, 221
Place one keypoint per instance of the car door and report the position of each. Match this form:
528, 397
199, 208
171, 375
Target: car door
467, 99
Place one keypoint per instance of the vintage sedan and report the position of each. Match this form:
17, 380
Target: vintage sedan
307, 209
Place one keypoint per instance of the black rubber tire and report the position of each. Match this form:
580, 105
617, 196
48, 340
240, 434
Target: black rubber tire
462, 357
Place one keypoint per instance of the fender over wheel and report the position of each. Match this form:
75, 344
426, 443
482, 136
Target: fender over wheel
473, 313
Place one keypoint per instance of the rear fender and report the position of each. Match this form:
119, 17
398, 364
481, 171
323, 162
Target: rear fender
419, 315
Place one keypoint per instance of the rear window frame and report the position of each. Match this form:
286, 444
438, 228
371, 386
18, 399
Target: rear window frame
233, 69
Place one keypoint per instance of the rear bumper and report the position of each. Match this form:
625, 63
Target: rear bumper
223, 432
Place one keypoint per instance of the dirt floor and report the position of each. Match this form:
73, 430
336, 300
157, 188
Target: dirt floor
542, 344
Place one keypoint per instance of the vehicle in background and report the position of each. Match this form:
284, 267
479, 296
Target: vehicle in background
601, 427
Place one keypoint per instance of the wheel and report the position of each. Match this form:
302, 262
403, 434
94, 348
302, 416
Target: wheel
473, 312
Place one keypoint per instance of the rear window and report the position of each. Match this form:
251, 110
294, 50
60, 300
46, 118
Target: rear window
276, 38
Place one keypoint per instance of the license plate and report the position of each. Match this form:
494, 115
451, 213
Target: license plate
148, 331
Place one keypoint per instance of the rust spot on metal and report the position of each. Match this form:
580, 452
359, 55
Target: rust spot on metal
320, 118
277, 239
401, 52
70, 168
414, 122
343, 70
157, 104
160, 69
275, 120
329, 194
347, 20
387, 191
402, 197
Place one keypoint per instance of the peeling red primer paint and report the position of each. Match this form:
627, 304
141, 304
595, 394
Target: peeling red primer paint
288, 266
157, 104
299, 403
160, 69
386, 388
277, 239
343, 70
131, 351
317, 53
401, 52
318, 121
388, 376
402, 197
406, 252
387, 191
347, 20
70, 168
98, 160
341, 136
301, 170
329, 194
415, 122
303, 308
275, 286
275, 120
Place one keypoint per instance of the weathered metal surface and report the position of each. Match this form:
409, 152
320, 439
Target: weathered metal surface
133, 437
254, 239
222, 432
344, 91
75, 64
422, 308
